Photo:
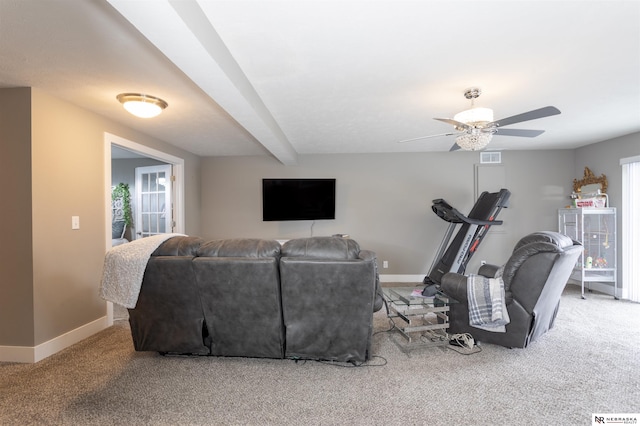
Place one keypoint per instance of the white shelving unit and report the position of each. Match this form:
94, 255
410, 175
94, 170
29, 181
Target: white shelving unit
595, 228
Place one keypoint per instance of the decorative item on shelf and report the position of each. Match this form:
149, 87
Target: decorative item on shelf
590, 179
605, 244
590, 191
588, 263
600, 262
591, 202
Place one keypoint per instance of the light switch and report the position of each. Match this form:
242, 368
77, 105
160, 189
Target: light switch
75, 222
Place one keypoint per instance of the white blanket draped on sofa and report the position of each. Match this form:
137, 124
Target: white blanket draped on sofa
124, 267
487, 305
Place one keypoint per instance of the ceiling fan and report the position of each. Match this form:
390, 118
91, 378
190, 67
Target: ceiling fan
475, 127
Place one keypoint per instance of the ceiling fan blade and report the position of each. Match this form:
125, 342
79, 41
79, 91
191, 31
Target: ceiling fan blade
524, 133
526, 116
457, 124
427, 137
455, 147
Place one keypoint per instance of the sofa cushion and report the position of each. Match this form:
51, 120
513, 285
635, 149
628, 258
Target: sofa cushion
240, 247
322, 248
179, 246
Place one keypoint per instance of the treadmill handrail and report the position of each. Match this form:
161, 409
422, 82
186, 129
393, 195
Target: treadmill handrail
483, 222
446, 212
450, 214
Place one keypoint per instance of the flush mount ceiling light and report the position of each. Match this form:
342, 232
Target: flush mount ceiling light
141, 105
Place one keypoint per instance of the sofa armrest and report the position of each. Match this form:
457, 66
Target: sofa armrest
488, 270
378, 301
455, 285
367, 255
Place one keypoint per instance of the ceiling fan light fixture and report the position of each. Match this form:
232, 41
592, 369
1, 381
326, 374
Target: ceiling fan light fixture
141, 105
474, 141
475, 116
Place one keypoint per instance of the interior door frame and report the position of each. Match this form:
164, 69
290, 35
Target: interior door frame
178, 187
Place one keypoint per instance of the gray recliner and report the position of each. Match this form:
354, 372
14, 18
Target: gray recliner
534, 277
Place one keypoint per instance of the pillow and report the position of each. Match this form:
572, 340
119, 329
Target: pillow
117, 229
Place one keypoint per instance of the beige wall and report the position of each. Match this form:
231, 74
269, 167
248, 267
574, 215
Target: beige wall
66, 164
16, 272
384, 200
56, 167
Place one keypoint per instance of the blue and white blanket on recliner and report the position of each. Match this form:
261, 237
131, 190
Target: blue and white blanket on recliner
487, 305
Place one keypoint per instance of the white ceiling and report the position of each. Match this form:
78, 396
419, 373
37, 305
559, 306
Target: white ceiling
284, 78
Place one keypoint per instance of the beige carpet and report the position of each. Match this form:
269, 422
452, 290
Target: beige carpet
589, 363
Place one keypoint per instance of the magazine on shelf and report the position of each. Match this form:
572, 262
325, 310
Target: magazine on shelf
417, 292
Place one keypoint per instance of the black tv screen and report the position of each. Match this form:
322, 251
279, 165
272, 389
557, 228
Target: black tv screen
298, 199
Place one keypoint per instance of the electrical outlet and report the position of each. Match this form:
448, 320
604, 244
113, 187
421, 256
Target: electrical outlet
75, 222
385, 264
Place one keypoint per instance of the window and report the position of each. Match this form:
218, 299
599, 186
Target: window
630, 228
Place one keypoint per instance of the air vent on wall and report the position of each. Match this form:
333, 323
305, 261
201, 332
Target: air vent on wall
487, 157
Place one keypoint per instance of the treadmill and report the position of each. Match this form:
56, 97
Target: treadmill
454, 257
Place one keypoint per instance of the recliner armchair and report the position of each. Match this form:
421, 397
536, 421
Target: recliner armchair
534, 277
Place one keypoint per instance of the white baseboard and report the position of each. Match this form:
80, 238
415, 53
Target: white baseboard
606, 288
31, 354
388, 278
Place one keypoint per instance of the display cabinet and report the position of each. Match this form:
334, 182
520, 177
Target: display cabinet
595, 228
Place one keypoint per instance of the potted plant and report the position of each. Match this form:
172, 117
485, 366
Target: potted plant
121, 192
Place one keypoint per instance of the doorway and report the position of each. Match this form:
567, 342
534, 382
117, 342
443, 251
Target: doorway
177, 166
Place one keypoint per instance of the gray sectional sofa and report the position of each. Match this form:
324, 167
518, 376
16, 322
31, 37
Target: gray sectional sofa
310, 298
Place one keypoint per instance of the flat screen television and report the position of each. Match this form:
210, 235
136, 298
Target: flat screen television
298, 199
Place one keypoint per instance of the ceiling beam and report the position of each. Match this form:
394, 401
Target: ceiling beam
183, 33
